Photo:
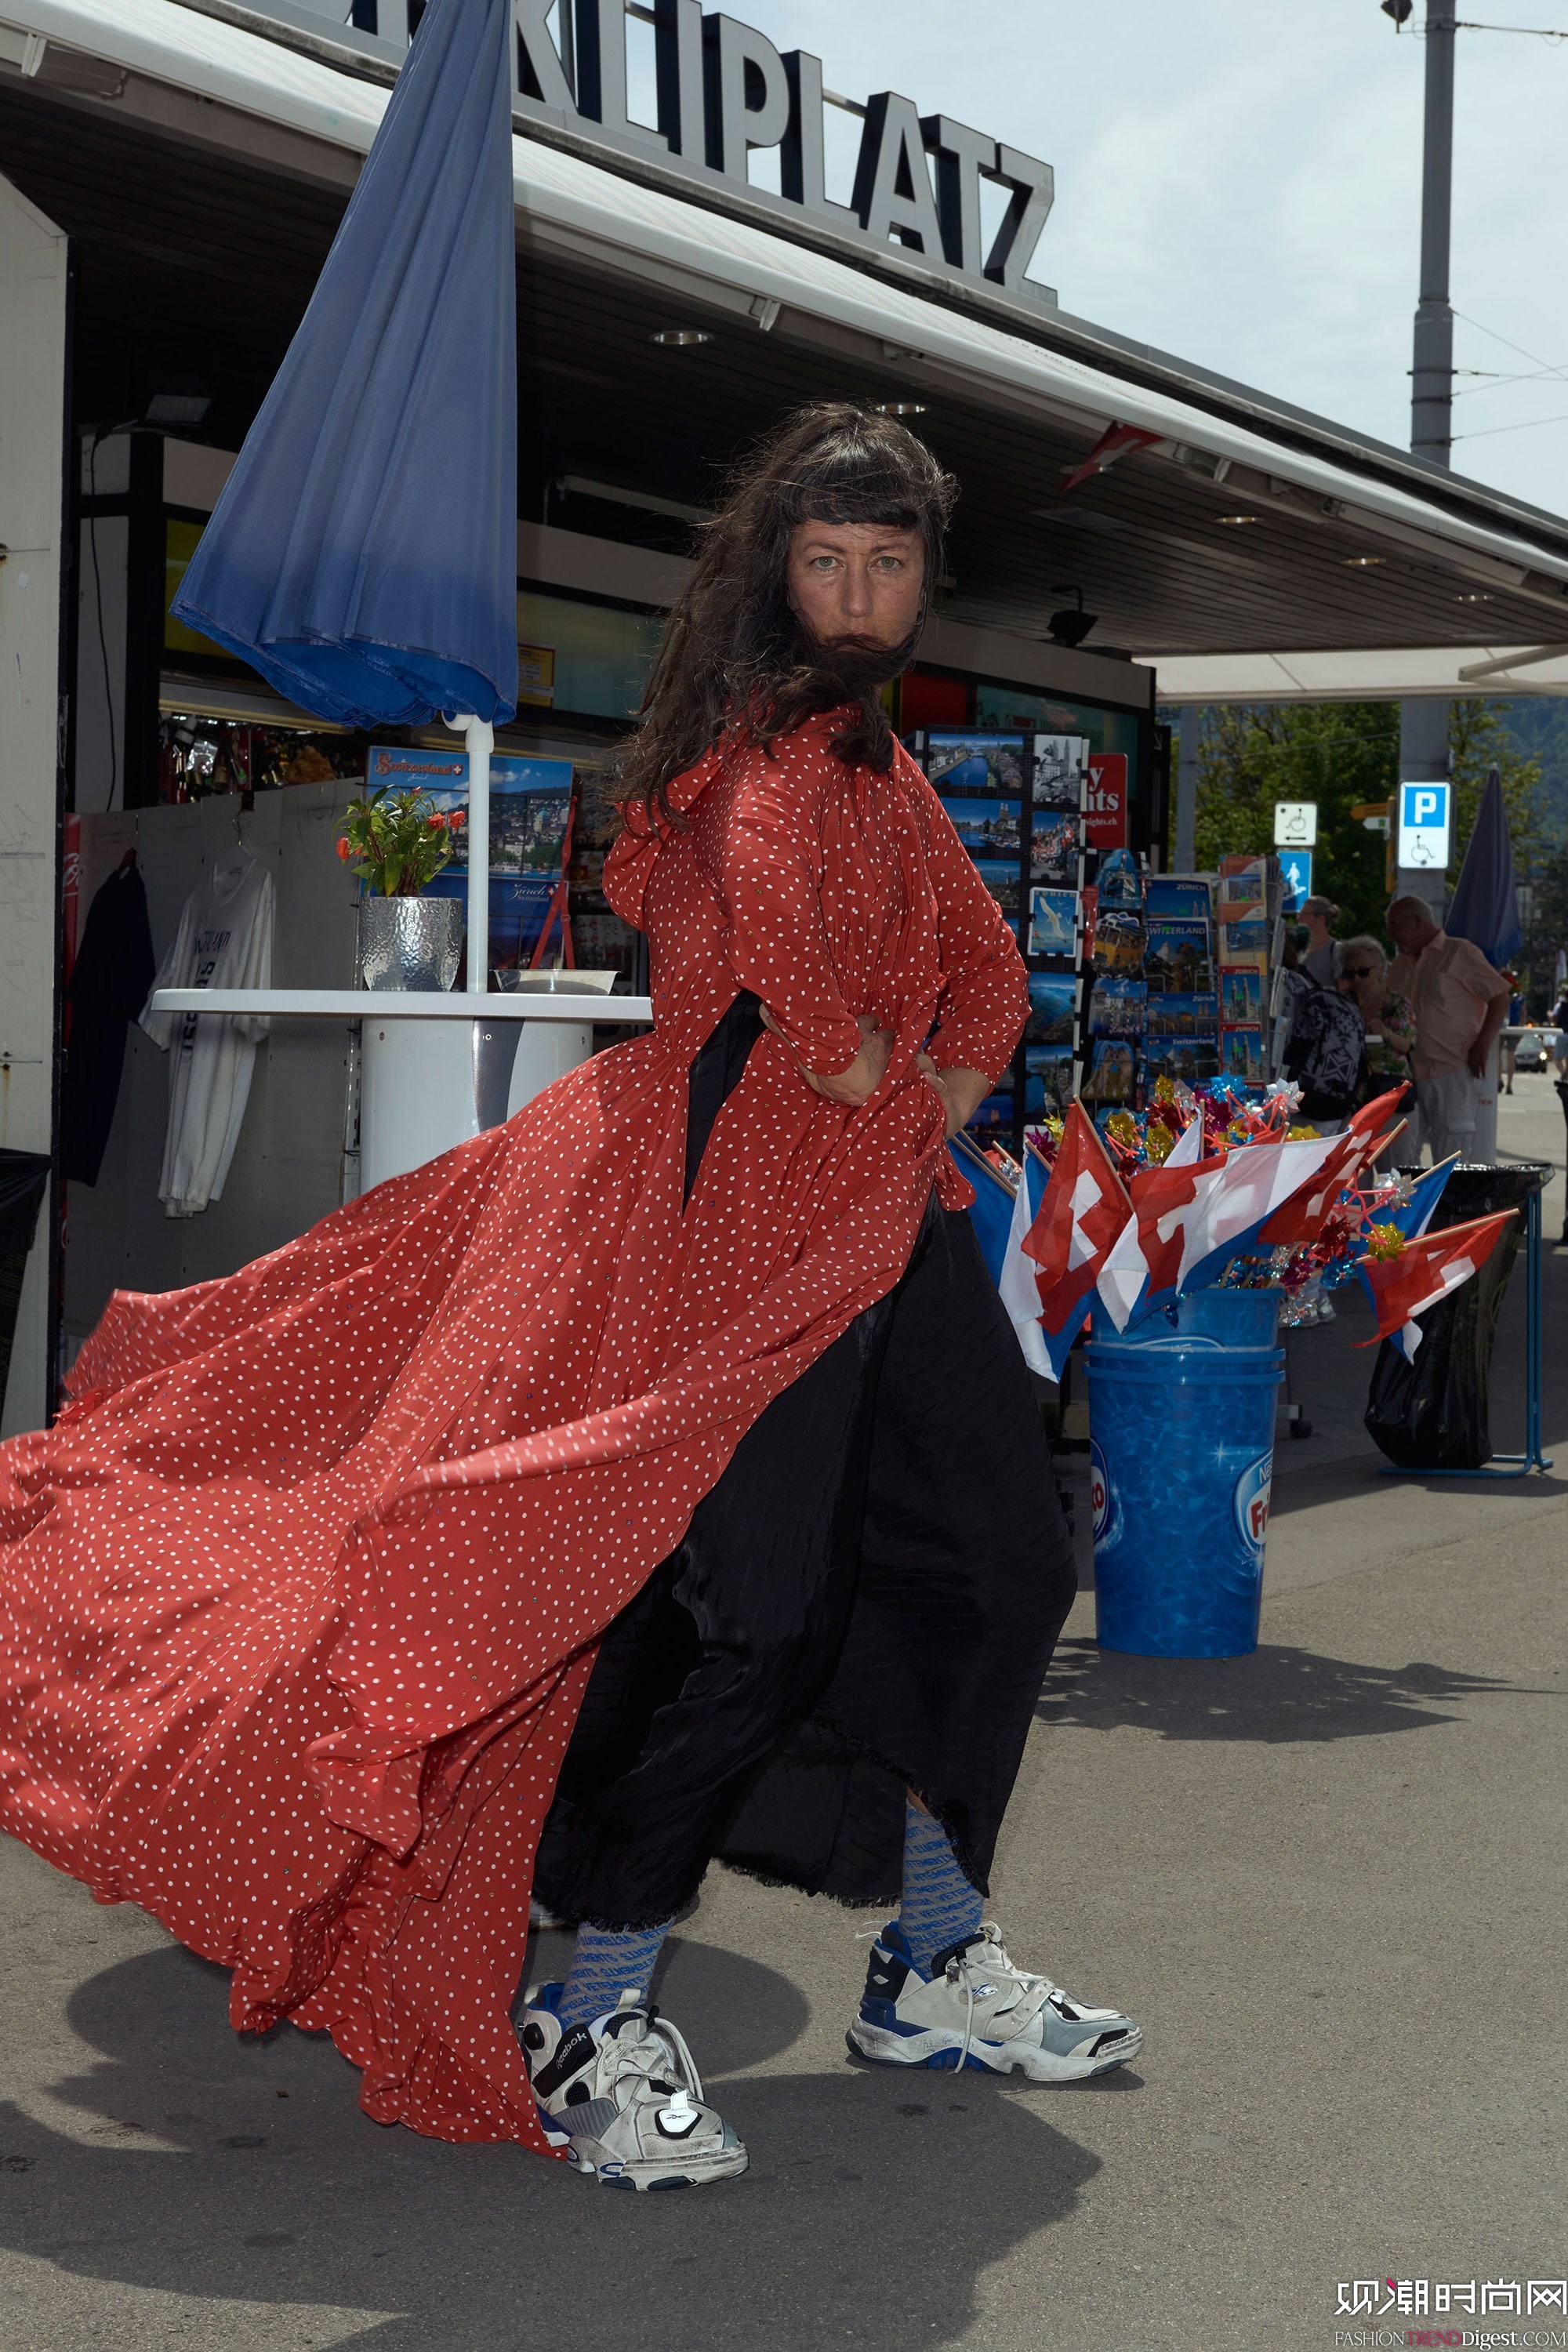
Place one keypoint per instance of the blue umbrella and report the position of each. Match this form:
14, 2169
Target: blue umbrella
1485, 908
364, 554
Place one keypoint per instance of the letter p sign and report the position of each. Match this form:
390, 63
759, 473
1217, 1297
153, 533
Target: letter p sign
1424, 810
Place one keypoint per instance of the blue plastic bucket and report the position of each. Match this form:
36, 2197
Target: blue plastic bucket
1181, 1413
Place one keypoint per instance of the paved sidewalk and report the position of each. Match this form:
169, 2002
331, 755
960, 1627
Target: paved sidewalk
1326, 1879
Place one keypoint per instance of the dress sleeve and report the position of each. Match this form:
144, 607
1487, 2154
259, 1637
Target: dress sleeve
984, 1002
770, 876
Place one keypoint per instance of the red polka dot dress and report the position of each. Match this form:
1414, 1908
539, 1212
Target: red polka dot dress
298, 1598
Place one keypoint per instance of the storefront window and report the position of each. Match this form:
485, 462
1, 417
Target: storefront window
584, 657
1107, 730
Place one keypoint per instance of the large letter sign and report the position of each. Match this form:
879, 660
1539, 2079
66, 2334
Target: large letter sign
722, 89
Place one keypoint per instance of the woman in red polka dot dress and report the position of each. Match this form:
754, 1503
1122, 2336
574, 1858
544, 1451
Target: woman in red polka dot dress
652, 1479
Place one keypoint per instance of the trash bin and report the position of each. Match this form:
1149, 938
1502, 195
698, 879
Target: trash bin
1434, 1414
1181, 1413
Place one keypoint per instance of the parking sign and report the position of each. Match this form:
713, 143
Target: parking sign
1424, 825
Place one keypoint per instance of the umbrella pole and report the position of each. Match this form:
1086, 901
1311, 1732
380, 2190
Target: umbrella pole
480, 739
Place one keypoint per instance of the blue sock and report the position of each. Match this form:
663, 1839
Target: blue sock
939, 1903
603, 1966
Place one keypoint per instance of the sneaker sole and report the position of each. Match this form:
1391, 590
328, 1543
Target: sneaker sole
940, 2052
655, 2173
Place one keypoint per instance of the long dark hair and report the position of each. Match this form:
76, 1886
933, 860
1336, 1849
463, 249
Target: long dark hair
734, 654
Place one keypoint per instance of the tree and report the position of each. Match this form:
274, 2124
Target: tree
1340, 753
1335, 754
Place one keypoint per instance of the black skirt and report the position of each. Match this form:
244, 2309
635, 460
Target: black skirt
865, 1602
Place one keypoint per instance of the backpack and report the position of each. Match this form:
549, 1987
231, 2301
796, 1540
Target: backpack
1325, 1052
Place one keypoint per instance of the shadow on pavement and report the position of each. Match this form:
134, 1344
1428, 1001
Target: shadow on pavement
1276, 1695
873, 2202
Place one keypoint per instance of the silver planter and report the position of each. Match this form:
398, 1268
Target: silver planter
410, 943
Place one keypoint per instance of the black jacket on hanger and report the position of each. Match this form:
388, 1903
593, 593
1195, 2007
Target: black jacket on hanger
114, 969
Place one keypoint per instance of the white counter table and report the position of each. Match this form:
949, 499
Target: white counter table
435, 1067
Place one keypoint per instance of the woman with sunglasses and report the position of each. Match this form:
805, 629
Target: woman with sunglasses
1388, 1018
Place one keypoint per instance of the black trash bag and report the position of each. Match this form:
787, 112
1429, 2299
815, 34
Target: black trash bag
24, 1177
1433, 1414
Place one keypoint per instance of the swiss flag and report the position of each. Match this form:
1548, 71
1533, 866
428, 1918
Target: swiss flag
1426, 1271
1299, 1221
1372, 1115
1083, 1211
1146, 1256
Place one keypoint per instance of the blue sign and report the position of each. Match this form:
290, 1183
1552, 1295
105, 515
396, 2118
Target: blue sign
1296, 865
1423, 810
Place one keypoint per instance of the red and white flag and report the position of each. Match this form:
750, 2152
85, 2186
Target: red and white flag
1425, 1271
1083, 1211
1145, 1259
1256, 1179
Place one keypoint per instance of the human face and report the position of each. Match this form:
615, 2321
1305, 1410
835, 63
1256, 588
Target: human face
857, 583
1362, 977
1410, 929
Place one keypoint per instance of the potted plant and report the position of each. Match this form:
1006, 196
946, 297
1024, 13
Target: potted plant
397, 842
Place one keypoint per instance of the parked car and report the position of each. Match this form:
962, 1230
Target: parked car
1531, 1051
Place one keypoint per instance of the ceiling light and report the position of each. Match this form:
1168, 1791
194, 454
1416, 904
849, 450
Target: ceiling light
1364, 562
1234, 521
1474, 596
680, 338
899, 408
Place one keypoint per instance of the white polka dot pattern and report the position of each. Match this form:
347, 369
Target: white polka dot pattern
298, 1598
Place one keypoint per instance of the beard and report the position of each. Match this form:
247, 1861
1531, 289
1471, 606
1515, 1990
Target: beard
848, 669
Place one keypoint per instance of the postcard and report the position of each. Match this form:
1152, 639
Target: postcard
1243, 1054
975, 763
1241, 997
1062, 766
1048, 1078
1053, 922
1109, 1079
1176, 956
1116, 1008
1250, 938
987, 827
1177, 897
1118, 943
1053, 1009
1054, 849
1173, 1015
1000, 876
1183, 1060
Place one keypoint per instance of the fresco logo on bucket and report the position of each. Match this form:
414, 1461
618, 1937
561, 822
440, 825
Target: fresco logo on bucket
1252, 1492
1103, 1500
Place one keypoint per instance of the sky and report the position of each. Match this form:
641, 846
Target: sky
1238, 183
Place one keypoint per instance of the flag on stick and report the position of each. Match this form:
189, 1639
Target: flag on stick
1082, 1211
1405, 1281
1140, 1269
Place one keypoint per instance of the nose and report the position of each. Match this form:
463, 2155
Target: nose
857, 591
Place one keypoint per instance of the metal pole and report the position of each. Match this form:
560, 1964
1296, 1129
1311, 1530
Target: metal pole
1423, 724
1188, 729
1432, 377
480, 739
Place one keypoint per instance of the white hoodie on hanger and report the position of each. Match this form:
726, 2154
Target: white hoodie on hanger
225, 941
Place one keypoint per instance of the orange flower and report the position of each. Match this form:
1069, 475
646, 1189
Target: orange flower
437, 822
345, 847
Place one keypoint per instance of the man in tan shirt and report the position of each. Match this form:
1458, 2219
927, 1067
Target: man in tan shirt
1460, 1005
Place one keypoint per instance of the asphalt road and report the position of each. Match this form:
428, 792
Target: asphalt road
1326, 1879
